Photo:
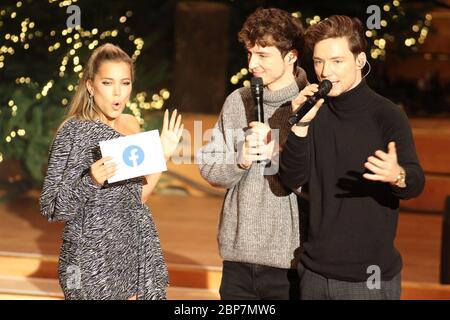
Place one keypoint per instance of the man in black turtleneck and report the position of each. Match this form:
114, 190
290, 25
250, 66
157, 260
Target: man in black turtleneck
356, 154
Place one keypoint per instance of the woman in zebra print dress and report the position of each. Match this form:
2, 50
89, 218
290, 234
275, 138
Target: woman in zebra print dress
111, 249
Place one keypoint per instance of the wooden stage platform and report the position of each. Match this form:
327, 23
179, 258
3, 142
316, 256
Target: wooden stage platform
29, 246
187, 221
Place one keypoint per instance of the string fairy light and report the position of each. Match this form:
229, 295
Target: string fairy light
67, 46
380, 39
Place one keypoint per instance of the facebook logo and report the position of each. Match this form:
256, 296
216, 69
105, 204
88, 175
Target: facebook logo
133, 156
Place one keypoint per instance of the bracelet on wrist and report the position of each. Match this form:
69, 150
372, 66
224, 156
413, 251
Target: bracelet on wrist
401, 179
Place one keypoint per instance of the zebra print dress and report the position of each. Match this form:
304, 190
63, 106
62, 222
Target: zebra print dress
110, 249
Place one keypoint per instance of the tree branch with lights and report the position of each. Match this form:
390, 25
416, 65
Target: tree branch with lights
40, 65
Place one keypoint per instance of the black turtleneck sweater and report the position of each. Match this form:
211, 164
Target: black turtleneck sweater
352, 221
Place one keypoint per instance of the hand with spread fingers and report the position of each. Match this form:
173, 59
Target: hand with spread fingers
384, 166
171, 133
101, 171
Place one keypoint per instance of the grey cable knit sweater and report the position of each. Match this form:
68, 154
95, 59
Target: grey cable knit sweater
259, 221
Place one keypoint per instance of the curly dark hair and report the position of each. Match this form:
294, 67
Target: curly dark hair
272, 27
338, 27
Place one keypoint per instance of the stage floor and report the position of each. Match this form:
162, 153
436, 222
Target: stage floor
188, 229
187, 220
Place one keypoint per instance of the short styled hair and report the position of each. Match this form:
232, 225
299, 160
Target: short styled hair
272, 27
338, 27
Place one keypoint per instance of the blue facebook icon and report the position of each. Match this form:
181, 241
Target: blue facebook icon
133, 156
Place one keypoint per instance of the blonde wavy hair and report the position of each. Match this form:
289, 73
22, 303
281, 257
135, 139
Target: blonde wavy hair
80, 106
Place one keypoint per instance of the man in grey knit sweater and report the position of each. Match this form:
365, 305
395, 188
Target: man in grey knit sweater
259, 232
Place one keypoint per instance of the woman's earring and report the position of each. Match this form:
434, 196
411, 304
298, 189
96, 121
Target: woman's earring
91, 101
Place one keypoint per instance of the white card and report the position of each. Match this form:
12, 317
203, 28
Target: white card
135, 155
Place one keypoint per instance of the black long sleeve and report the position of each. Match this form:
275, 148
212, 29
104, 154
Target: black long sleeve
398, 130
294, 164
352, 220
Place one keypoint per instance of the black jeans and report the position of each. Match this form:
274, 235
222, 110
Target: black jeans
247, 281
313, 286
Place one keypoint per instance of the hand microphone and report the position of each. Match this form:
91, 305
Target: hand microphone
256, 84
324, 87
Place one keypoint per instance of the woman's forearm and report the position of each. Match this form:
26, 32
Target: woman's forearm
150, 183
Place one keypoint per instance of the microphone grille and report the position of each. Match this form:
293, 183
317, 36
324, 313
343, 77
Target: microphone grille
256, 81
324, 87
